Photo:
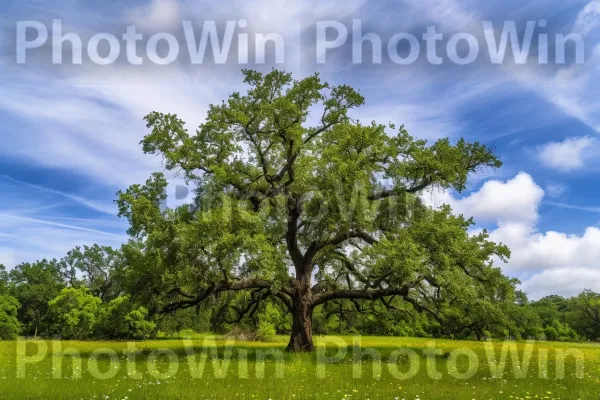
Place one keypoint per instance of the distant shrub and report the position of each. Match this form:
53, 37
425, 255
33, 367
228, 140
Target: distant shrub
265, 332
75, 312
139, 327
121, 320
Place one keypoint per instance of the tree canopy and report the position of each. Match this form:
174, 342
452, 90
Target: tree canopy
300, 202
34, 285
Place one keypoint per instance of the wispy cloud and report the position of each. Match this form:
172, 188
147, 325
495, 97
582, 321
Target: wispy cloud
588, 19
103, 208
26, 239
56, 224
573, 206
555, 190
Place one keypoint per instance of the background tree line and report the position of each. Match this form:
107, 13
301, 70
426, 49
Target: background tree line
89, 295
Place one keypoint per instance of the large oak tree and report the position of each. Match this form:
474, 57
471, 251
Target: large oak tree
299, 202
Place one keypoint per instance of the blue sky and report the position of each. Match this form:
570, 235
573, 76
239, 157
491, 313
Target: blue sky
70, 134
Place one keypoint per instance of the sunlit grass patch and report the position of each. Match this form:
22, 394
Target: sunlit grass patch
212, 367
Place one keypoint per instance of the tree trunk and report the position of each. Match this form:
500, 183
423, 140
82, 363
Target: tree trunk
301, 338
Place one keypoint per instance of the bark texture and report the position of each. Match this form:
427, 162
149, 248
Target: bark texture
302, 310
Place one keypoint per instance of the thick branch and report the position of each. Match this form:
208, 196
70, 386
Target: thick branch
361, 294
223, 286
291, 236
397, 191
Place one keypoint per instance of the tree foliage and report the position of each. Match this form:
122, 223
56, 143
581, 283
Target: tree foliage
95, 267
75, 312
4, 280
34, 285
584, 314
10, 327
288, 181
121, 319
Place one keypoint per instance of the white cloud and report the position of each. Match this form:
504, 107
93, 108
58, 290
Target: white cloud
543, 258
496, 201
533, 250
568, 155
514, 200
564, 282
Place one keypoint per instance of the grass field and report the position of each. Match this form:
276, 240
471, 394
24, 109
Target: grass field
197, 368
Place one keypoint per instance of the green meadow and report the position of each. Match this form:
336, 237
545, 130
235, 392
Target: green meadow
212, 367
